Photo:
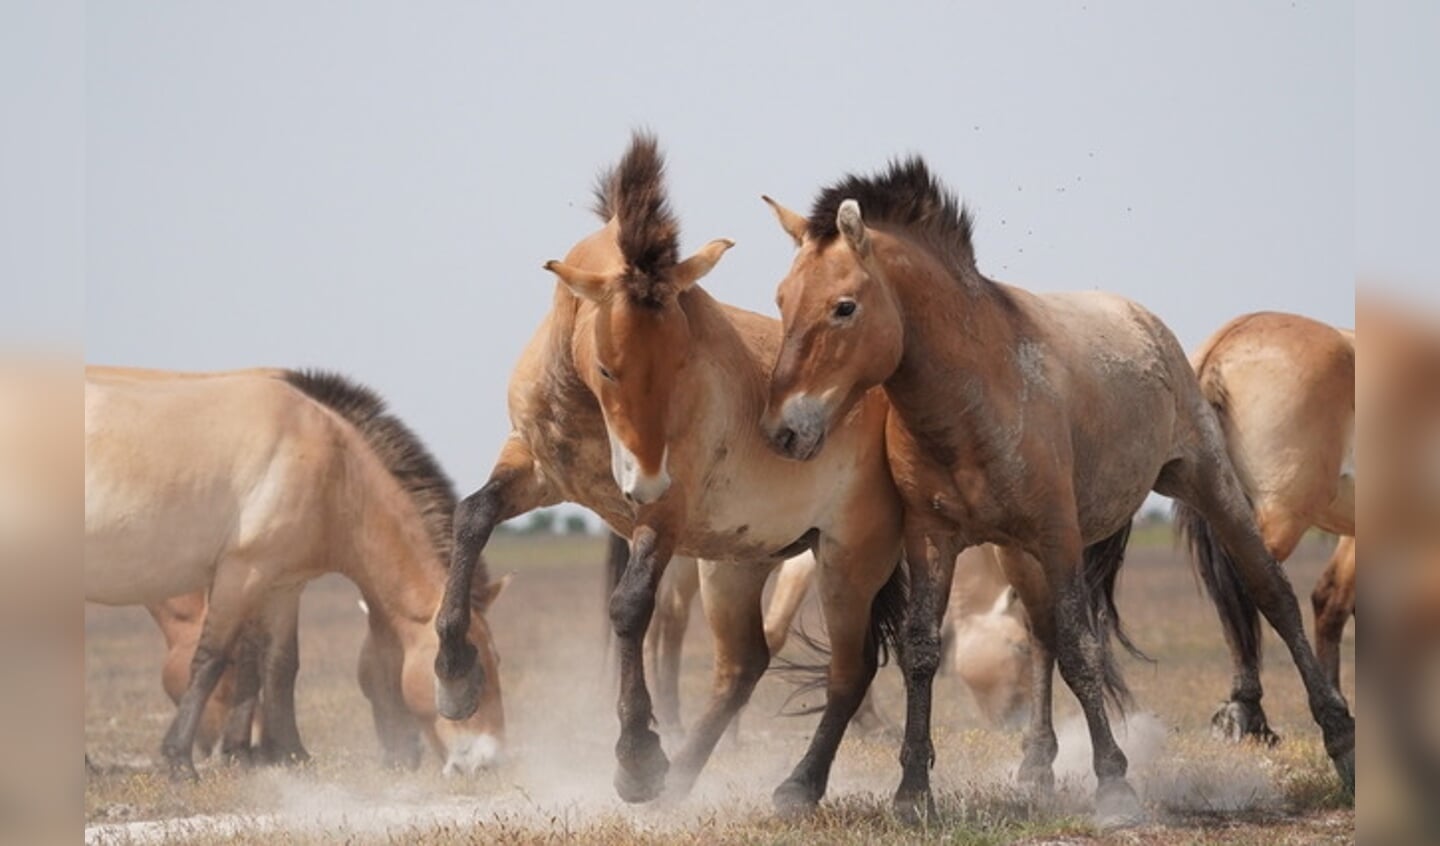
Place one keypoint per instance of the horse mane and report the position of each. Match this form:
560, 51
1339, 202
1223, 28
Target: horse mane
633, 192
905, 195
399, 449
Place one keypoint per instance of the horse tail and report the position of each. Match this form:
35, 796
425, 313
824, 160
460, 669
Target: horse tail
1100, 572
1239, 618
887, 617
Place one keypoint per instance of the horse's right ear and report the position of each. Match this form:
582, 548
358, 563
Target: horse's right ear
794, 225
586, 284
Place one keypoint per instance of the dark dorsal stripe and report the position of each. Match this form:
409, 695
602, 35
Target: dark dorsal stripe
649, 238
399, 449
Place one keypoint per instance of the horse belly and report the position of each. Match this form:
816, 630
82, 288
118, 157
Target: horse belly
149, 552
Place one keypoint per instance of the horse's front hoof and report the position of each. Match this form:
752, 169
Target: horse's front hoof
182, 771
1237, 721
641, 774
1116, 805
795, 799
915, 807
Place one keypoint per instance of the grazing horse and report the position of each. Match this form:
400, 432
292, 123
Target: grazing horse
1038, 423
640, 397
249, 484
1283, 387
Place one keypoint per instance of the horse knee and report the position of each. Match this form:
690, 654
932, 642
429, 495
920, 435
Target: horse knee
630, 613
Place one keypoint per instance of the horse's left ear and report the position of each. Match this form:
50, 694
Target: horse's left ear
850, 224
586, 284
693, 269
483, 596
794, 225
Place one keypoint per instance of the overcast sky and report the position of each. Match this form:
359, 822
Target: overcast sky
373, 187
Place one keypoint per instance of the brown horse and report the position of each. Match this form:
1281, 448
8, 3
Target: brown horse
250, 484
1038, 423
1283, 387
639, 397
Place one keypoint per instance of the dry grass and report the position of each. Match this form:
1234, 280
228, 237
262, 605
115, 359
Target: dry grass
555, 785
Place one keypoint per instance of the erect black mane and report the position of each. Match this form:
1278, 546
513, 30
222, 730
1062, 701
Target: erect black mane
399, 449
649, 238
903, 196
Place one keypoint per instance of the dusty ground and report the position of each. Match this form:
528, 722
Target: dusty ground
556, 783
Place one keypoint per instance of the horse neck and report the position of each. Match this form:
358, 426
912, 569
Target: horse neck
955, 333
741, 345
386, 552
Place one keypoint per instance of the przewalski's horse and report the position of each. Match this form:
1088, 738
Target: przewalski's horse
249, 484
1038, 423
230, 712
1283, 387
640, 397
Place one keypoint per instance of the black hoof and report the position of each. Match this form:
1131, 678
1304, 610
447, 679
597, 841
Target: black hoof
1117, 805
795, 799
182, 771
1237, 721
641, 774
915, 807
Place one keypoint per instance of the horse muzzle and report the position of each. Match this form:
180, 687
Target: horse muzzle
798, 431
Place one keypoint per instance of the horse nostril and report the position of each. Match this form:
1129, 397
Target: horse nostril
629, 497
787, 439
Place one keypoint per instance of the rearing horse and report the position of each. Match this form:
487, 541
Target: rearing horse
1034, 422
640, 398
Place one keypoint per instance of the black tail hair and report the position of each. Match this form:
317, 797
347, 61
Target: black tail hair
1099, 574
887, 617
1239, 617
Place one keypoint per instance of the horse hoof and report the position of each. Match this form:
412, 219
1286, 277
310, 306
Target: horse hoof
795, 799
1116, 805
183, 772
1345, 768
915, 807
641, 774
1241, 721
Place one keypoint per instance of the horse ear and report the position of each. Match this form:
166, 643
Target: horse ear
483, 596
585, 284
693, 269
850, 224
794, 225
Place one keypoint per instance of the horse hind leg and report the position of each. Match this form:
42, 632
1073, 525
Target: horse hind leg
1210, 486
280, 664
731, 597
1334, 604
1039, 744
243, 694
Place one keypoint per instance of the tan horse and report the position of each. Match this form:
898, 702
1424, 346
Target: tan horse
639, 397
1283, 387
1038, 423
250, 484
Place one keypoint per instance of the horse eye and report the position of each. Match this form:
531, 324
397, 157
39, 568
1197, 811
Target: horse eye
605, 374
844, 308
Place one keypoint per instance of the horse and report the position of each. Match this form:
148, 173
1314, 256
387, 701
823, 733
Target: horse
1035, 422
639, 397
247, 485
229, 715
1283, 387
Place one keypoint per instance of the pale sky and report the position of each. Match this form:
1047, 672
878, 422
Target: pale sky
373, 188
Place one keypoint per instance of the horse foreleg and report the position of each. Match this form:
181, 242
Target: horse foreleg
513, 489
223, 618
1334, 604
244, 692
730, 594
642, 763
279, 733
931, 556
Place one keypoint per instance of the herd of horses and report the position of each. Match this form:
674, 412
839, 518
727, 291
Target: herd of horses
904, 409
